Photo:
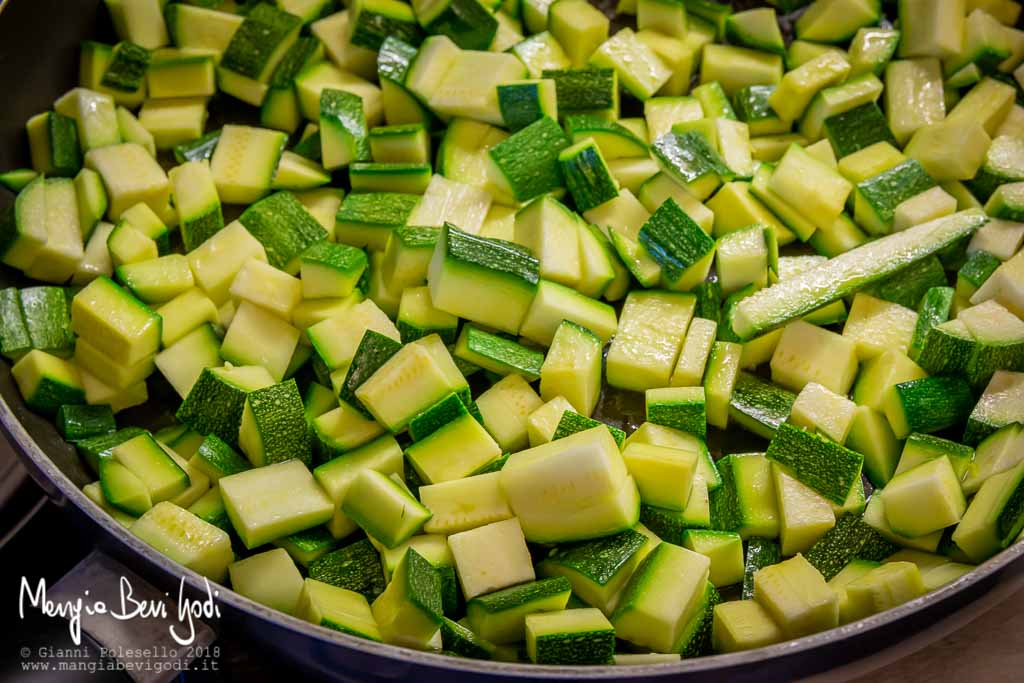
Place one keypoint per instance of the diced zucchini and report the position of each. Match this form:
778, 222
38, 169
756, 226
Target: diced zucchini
796, 596
605, 500
186, 538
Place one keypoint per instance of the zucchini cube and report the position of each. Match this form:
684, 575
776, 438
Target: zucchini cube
273, 427
468, 87
409, 611
875, 199
572, 636
412, 380
590, 465
23, 227
185, 538
337, 338
343, 131
578, 26
572, 368
418, 318
405, 143
816, 461
550, 231
258, 337
244, 162
115, 322
827, 412
77, 422
144, 458
197, 203
689, 159
369, 219
498, 272
506, 407
645, 348
742, 258
523, 102
736, 68
583, 91
157, 280
469, 23
758, 405
95, 115
796, 596
181, 76
336, 608
924, 499
276, 500
217, 400
681, 408
682, 249
871, 436
183, 314
598, 570
491, 557
883, 588
670, 525
880, 374
284, 227
53, 144
122, 489
921, 448
572, 423
216, 262
723, 548
992, 521
407, 255
500, 617
996, 407
743, 625
927, 405
999, 341
36, 318
174, 121
270, 578
336, 475
805, 182
807, 353
639, 69
216, 459
384, 508
497, 354
800, 85
662, 598
464, 504
745, 502
355, 567
453, 450
129, 245
131, 176
459, 640
804, 516
525, 165
950, 150
341, 429
693, 355
586, 175
261, 284
663, 475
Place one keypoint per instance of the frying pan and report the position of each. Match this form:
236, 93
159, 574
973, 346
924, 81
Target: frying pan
38, 61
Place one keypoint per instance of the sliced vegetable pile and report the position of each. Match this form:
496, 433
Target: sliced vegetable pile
393, 395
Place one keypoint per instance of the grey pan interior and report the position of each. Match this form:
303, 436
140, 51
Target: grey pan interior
38, 58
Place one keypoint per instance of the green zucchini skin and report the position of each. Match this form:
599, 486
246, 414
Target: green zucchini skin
817, 461
934, 310
356, 567
850, 538
761, 552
